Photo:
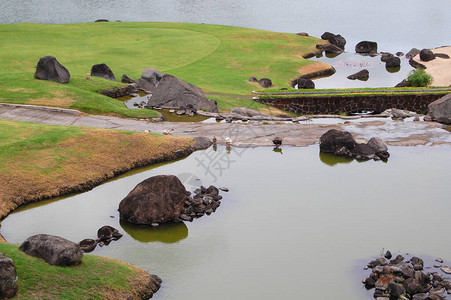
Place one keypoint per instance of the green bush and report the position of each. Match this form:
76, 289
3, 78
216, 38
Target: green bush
419, 77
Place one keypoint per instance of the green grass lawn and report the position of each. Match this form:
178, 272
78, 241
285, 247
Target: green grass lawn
94, 278
218, 59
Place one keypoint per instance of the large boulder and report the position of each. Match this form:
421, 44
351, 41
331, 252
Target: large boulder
49, 68
145, 85
102, 70
361, 75
426, 55
8, 278
366, 47
54, 250
158, 199
336, 141
334, 39
440, 110
152, 75
176, 93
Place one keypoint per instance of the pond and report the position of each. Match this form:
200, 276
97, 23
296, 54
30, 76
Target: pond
295, 224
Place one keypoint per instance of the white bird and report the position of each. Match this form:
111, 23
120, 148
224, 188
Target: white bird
228, 141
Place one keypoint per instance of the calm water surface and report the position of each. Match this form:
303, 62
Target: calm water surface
395, 25
296, 225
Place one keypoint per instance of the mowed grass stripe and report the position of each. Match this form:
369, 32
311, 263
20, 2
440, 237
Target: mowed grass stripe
218, 59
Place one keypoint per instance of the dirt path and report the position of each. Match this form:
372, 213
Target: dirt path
243, 135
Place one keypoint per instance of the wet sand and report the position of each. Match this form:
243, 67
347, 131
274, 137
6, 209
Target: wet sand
439, 68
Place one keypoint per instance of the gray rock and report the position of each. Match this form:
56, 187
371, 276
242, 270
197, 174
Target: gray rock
396, 290
420, 296
103, 71
363, 152
49, 68
440, 110
413, 52
426, 55
174, 92
253, 79
382, 152
446, 270
393, 62
126, 79
361, 75
334, 39
386, 56
334, 140
201, 142
54, 250
107, 233
398, 113
158, 199
303, 83
152, 75
87, 245
145, 85
265, 82
8, 278
366, 47
247, 112
329, 48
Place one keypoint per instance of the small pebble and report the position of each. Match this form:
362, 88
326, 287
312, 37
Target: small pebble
439, 260
224, 189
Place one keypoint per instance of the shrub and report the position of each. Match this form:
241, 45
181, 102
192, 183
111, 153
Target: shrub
419, 77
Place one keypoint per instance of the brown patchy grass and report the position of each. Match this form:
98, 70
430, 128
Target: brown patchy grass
60, 99
313, 67
78, 163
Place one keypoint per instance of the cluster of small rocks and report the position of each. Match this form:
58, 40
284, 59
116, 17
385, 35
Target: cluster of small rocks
204, 201
342, 143
400, 279
105, 235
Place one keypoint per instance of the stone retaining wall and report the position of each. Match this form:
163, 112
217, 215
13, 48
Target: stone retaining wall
350, 104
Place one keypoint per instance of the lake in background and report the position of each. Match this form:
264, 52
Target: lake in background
395, 25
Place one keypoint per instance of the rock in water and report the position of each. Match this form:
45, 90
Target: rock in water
366, 47
334, 140
49, 68
102, 70
440, 110
54, 250
8, 278
174, 92
361, 75
334, 39
157, 199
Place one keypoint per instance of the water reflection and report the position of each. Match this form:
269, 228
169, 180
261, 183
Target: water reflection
166, 233
331, 160
277, 150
